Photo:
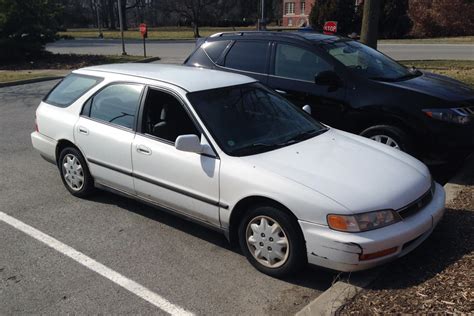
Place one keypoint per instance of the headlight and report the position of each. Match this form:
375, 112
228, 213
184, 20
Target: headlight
362, 222
453, 115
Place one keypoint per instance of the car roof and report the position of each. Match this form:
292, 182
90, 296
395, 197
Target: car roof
308, 36
188, 78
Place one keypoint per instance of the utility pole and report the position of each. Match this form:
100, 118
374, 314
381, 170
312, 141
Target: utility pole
370, 22
261, 22
121, 26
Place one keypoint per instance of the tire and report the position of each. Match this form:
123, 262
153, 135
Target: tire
288, 260
75, 173
391, 136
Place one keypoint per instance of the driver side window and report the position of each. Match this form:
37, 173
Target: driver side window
165, 117
298, 63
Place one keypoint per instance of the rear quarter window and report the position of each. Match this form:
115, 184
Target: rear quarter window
70, 89
214, 49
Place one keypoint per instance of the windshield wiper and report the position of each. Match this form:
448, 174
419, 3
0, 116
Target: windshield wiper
256, 148
305, 135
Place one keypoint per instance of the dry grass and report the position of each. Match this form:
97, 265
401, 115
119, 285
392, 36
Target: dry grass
439, 40
462, 70
15, 75
160, 33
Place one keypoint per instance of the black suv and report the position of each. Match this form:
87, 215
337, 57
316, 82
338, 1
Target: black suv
352, 87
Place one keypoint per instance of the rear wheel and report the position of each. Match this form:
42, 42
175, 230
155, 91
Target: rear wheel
391, 136
272, 241
75, 173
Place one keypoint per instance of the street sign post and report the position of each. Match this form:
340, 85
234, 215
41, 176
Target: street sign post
330, 27
144, 32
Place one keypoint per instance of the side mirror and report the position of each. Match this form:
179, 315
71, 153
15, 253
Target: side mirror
327, 78
307, 109
189, 143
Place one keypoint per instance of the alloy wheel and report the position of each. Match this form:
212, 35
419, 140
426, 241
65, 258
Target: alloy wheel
387, 140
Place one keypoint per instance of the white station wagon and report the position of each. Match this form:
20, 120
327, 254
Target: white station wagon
227, 152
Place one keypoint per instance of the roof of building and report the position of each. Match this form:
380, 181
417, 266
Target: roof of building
188, 78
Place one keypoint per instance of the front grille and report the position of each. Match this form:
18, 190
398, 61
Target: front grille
417, 205
465, 111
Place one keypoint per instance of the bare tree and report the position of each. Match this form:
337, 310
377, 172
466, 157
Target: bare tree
191, 10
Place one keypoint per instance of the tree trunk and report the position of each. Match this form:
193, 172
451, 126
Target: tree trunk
370, 23
196, 30
124, 15
111, 13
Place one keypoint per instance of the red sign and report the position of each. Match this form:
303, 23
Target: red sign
330, 27
143, 30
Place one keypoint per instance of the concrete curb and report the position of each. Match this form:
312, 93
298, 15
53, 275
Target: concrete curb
147, 60
341, 292
26, 81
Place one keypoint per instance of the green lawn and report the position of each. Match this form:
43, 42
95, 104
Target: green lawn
439, 40
462, 70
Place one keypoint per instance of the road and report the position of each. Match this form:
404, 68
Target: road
177, 51
186, 264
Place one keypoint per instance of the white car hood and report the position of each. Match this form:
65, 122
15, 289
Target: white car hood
356, 172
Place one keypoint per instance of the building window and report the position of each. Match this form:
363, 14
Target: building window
289, 8
290, 22
303, 7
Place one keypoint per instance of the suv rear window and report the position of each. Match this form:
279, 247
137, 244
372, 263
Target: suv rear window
70, 89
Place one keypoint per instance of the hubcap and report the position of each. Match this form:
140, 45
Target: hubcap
387, 140
267, 242
72, 172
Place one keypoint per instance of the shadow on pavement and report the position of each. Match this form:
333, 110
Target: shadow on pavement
312, 277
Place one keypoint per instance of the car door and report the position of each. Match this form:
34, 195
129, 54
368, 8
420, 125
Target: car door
292, 72
247, 57
182, 181
105, 131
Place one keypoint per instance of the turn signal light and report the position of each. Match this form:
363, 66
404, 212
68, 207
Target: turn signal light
378, 254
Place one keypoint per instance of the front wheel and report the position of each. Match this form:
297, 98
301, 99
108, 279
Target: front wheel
391, 136
272, 241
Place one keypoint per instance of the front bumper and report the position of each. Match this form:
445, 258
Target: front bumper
340, 251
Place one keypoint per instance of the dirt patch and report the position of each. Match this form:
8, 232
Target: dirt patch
438, 277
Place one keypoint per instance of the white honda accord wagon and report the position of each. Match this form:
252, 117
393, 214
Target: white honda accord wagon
225, 151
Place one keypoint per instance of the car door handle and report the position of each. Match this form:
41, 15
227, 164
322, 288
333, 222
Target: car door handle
281, 92
83, 130
142, 149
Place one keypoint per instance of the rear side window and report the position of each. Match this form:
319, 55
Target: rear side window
116, 104
214, 49
70, 89
248, 56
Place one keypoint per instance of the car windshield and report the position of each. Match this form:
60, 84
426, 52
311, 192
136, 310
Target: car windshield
368, 62
250, 119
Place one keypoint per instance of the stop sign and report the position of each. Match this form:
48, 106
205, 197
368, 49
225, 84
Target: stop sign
330, 27
143, 29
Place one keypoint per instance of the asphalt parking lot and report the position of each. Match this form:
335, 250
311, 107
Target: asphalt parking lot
189, 266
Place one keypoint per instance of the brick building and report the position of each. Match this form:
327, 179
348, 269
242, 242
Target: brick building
296, 12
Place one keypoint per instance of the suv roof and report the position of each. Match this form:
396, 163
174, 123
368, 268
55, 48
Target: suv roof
188, 78
310, 36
